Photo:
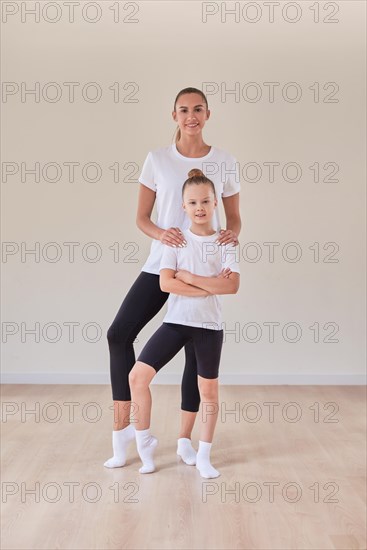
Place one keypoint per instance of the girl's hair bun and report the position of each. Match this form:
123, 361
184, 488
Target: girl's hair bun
197, 177
195, 173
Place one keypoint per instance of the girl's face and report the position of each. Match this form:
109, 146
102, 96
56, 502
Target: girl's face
199, 203
191, 114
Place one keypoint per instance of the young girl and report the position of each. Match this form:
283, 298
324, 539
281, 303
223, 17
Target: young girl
193, 275
159, 186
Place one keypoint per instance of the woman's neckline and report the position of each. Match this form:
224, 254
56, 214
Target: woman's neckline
178, 154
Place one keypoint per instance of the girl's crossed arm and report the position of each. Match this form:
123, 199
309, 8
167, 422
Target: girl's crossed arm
214, 285
169, 283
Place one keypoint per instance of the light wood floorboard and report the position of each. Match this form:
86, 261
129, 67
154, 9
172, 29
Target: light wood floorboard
320, 461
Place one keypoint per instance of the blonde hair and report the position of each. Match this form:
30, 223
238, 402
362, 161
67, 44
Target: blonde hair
182, 92
197, 177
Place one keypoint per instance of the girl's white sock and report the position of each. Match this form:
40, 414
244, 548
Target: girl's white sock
146, 444
186, 451
120, 442
203, 461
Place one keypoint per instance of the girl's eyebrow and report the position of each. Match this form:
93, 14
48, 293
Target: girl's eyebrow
202, 199
184, 106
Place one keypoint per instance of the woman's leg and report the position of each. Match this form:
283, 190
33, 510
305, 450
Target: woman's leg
141, 304
190, 403
190, 396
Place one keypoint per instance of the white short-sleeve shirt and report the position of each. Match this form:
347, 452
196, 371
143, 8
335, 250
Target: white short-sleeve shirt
165, 170
201, 256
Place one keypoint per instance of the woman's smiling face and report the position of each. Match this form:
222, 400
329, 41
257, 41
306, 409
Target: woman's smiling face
191, 114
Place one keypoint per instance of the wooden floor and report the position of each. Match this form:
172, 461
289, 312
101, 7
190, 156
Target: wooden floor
56, 493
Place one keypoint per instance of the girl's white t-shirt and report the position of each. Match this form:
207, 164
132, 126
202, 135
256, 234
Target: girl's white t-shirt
201, 256
165, 170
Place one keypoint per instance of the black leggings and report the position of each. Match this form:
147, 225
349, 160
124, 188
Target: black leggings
141, 304
167, 341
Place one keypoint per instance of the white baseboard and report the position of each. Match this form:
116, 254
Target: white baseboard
166, 378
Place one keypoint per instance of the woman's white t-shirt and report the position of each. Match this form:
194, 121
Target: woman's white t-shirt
201, 256
165, 171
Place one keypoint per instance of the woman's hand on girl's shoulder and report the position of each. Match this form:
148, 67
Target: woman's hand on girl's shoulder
227, 236
173, 236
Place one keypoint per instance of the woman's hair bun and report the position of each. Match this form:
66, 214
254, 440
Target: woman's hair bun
195, 173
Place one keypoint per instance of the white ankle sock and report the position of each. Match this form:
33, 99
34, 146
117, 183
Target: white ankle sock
146, 444
186, 451
120, 442
203, 461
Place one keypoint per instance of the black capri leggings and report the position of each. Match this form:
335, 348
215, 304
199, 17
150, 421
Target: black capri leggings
167, 341
141, 304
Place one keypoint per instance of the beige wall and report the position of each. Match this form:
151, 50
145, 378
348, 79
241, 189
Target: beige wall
168, 48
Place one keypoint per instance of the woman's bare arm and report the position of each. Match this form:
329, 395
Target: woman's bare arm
233, 218
146, 201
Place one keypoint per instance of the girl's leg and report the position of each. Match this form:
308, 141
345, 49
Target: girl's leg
141, 304
159, 350
209, 414
209, 407
208, 347
140, 377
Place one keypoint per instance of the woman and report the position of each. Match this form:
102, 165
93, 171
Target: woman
194, 276
160, 180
